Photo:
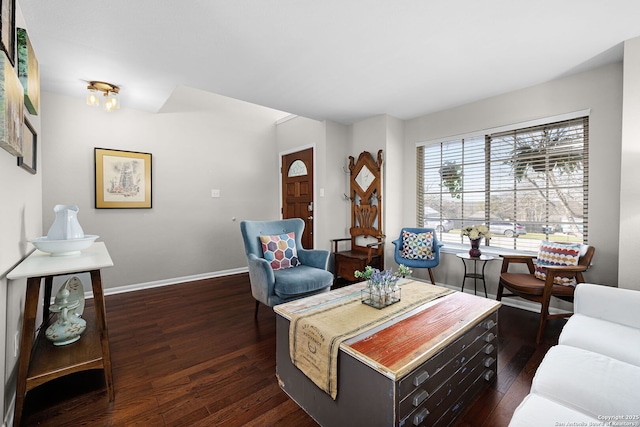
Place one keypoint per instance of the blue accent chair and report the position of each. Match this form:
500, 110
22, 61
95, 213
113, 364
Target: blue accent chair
419, 263
272, 287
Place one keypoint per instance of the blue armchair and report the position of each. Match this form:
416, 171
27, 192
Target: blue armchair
418, 263
272, 287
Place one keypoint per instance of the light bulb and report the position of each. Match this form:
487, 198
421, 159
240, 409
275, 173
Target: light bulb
111, 103
92, 99
115, 101
108, 106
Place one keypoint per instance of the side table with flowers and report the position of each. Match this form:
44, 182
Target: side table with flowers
475, 233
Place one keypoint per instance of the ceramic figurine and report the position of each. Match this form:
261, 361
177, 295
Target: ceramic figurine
69, 325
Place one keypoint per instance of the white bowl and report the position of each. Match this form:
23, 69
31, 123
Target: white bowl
63, 247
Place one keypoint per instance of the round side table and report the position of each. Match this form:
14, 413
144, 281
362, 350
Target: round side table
474, 274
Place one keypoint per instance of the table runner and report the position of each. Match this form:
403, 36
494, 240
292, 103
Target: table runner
315, 334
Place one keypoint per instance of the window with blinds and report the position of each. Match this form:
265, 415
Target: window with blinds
528, 185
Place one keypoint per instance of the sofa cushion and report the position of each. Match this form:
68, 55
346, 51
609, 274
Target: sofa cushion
293, 282
588, 382
611, 339
608, 303
280, 250
555, 254
417, 245
536, 410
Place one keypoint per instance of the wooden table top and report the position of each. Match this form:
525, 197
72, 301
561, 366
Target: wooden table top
402, 344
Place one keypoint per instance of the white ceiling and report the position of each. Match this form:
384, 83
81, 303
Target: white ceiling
341, 60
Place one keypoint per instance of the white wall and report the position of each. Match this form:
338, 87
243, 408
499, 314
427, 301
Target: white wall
393, 196
335, 220
199, 142
629, 188
599, 90
369, 135
21, 214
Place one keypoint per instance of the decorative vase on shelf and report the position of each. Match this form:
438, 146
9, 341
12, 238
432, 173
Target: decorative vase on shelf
475, 248
69, 325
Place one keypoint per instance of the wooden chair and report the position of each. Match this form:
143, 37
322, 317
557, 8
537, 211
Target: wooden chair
367, 239
529, 287
356, 258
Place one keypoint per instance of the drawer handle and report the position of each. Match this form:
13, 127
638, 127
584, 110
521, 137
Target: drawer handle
419, 398
489, 337
420, 417
420, 378
488, 375
488, 361
489, 324
488, 349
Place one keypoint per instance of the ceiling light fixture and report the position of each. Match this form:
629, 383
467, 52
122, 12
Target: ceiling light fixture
110, 91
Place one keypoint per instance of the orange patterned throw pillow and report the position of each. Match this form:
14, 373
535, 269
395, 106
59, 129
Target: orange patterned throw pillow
280, 251
553, 254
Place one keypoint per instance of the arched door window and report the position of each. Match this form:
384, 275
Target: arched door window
297, 168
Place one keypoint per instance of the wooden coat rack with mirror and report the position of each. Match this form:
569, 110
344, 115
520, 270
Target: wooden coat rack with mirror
367, 237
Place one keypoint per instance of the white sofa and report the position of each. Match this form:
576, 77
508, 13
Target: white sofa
592, 377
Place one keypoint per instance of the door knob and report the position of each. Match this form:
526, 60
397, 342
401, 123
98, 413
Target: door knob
310, 218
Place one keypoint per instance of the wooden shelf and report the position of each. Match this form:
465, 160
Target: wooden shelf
49, 362
40, 361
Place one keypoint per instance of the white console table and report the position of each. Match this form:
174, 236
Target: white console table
47, 362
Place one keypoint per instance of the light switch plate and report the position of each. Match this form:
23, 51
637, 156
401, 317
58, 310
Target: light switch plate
215, 193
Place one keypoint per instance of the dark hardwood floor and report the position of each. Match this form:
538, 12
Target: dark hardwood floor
192, 355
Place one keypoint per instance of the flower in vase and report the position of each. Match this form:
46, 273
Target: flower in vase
475, 232
382, 286
383, 279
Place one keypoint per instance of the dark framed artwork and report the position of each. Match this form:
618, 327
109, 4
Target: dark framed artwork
29, 148
28, 72
8, 28
123, 179
11, 108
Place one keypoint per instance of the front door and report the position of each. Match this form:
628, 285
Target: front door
297, 191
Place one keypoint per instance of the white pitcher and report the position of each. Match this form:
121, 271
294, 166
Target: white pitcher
66, 225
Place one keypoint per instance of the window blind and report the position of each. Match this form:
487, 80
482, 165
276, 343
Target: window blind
528, 184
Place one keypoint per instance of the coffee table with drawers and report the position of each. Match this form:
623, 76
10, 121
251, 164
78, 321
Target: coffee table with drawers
423, 368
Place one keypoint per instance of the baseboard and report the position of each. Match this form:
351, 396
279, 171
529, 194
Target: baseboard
168, 282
